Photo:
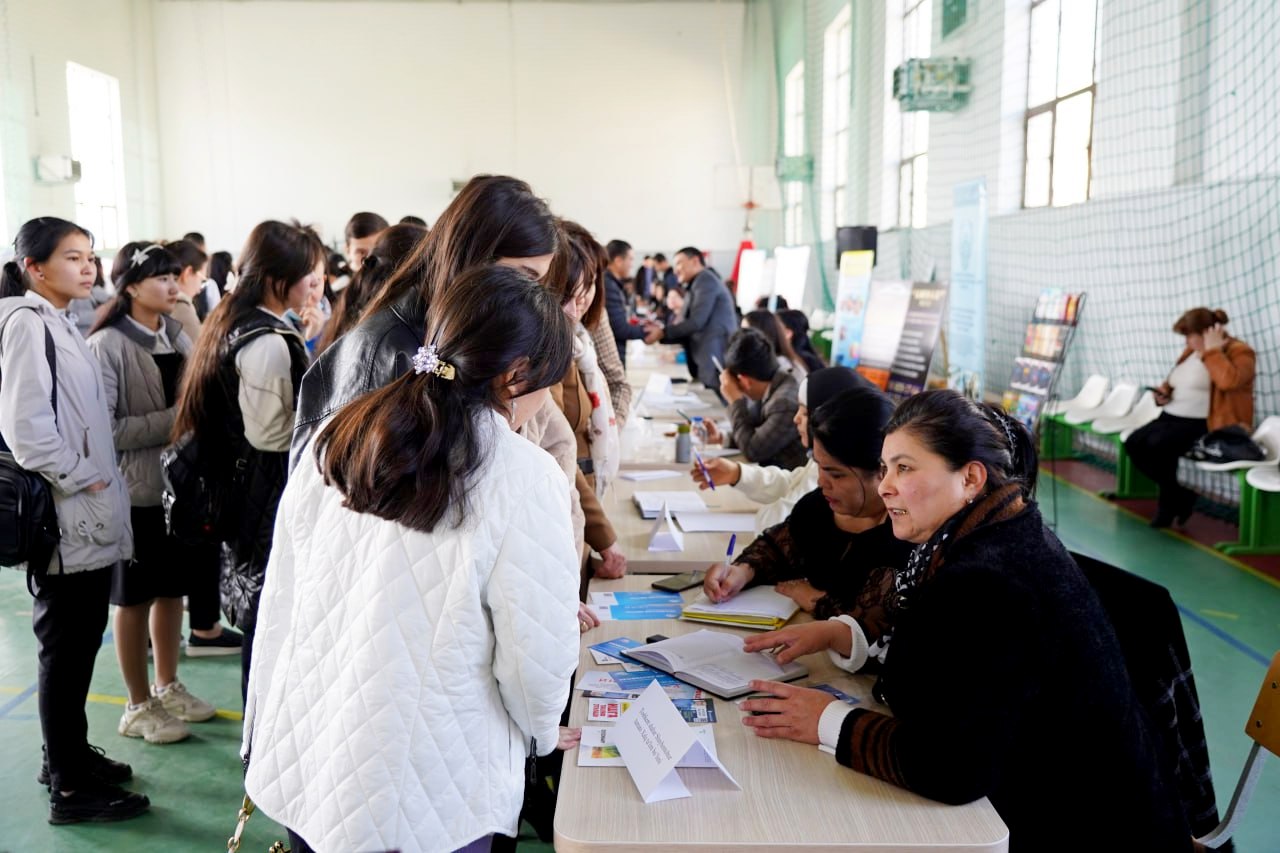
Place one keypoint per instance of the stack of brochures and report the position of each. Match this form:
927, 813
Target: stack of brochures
650, 503
761, 607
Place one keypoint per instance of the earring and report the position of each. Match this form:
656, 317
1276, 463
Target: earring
511, 416
969, 500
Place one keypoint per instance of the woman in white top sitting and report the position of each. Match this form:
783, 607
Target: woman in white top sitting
418, 626
238, 398
1210, 388
779, 489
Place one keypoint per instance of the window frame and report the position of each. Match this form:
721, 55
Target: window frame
836, 137
907, 162
1051, 106
793, 145
113, 136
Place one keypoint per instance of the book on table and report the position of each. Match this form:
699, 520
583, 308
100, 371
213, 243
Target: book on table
762, 608
714, 661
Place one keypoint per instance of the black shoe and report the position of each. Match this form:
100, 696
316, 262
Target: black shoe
1163, 518
98, 803
97, 765
227, 643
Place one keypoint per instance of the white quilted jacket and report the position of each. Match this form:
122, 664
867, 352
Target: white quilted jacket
398, 676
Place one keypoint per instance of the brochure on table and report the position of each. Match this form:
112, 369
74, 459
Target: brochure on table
652, 739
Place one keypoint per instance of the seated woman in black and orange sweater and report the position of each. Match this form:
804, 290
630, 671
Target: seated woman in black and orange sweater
839, 533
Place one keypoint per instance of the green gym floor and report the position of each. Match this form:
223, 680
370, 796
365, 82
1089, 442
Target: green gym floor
1231, 614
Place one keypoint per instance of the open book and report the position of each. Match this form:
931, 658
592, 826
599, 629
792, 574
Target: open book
761, 607
715, 662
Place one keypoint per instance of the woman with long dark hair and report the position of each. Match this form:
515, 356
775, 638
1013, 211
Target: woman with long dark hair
768, 324
54, 420
795, 327
425, 559
238, 397
142, 350
1059, 735
494, 218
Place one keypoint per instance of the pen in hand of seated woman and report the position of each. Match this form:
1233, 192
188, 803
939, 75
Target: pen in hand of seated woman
722, 472
725, 580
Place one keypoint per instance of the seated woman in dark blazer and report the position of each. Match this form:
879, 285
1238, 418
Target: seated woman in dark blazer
838, 534
1001, 668
1210, 387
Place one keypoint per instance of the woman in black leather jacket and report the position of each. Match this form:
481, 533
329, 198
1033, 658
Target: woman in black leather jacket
494, 218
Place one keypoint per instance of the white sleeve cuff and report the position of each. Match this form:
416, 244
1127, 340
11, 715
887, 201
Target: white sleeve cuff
830, 723
857, 658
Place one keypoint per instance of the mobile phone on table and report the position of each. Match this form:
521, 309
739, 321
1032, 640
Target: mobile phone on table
680, 582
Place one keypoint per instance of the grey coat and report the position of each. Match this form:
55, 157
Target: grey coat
140, 421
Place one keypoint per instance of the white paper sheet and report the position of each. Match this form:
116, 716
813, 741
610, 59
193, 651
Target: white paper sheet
717, 522
644, 476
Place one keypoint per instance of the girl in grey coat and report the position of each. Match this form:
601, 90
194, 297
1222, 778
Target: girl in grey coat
142, 351
71, 447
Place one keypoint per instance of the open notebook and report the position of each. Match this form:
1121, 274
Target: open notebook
714, 661
761, 607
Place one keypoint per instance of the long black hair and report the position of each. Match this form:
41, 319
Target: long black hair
409, 452
37, 239
798, 325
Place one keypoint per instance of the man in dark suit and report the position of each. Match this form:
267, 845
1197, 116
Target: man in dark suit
709, 318
615, 295
663, 272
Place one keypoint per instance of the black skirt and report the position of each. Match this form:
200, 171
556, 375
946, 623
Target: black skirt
161, 566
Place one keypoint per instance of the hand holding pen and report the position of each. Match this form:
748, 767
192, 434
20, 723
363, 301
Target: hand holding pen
725, 580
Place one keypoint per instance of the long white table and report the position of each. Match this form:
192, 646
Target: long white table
793, 796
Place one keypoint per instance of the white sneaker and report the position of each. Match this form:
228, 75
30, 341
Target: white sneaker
152, 723
181, 704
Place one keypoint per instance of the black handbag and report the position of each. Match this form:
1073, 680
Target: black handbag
1229, 444
29, 531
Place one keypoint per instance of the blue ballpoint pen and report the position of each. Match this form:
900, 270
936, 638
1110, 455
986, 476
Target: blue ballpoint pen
702, 466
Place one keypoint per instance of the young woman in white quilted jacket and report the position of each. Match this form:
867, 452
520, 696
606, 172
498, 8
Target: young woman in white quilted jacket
418, 626
70, 445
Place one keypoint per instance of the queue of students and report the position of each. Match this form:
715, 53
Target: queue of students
415, 507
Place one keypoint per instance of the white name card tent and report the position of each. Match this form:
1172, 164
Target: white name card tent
653, 739
666, 536
659, 385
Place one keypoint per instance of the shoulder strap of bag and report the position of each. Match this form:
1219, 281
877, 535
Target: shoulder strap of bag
49, 354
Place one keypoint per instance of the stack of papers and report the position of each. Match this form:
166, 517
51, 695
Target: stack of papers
762, 607
651, 503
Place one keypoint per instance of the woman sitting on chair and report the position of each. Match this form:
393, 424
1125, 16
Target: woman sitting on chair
1211, 387
1004, 675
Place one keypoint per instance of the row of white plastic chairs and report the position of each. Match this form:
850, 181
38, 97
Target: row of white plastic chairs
1122, 410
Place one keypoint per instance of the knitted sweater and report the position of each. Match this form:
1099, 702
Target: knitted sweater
1042, 719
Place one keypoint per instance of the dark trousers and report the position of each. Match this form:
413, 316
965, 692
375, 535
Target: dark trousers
204, 605
298, 845
1155, 450
69, 616
246, 659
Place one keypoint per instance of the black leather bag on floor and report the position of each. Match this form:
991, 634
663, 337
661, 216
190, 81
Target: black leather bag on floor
29, 530
1229, 444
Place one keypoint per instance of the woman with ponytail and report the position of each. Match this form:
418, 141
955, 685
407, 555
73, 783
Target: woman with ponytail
1002, 670
54, 420
425, 564
238, 400
142, 350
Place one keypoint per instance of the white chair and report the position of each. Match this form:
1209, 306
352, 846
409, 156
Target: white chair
1143, 412
1265, 479
1266, 436
1117, 405
1090, 397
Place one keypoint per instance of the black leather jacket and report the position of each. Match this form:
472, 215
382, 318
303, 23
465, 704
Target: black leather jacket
373, 354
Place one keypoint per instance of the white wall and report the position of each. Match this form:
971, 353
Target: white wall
37, 39
616, 113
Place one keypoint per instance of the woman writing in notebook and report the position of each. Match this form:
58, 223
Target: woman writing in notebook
425, 558
1042, 719
822, 555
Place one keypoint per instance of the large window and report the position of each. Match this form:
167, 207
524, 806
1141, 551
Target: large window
1060, 96
793, 146
837, 93
913, 164
93, 99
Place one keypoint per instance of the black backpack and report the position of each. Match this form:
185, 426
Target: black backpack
29, 531
199, 501
1229, 444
